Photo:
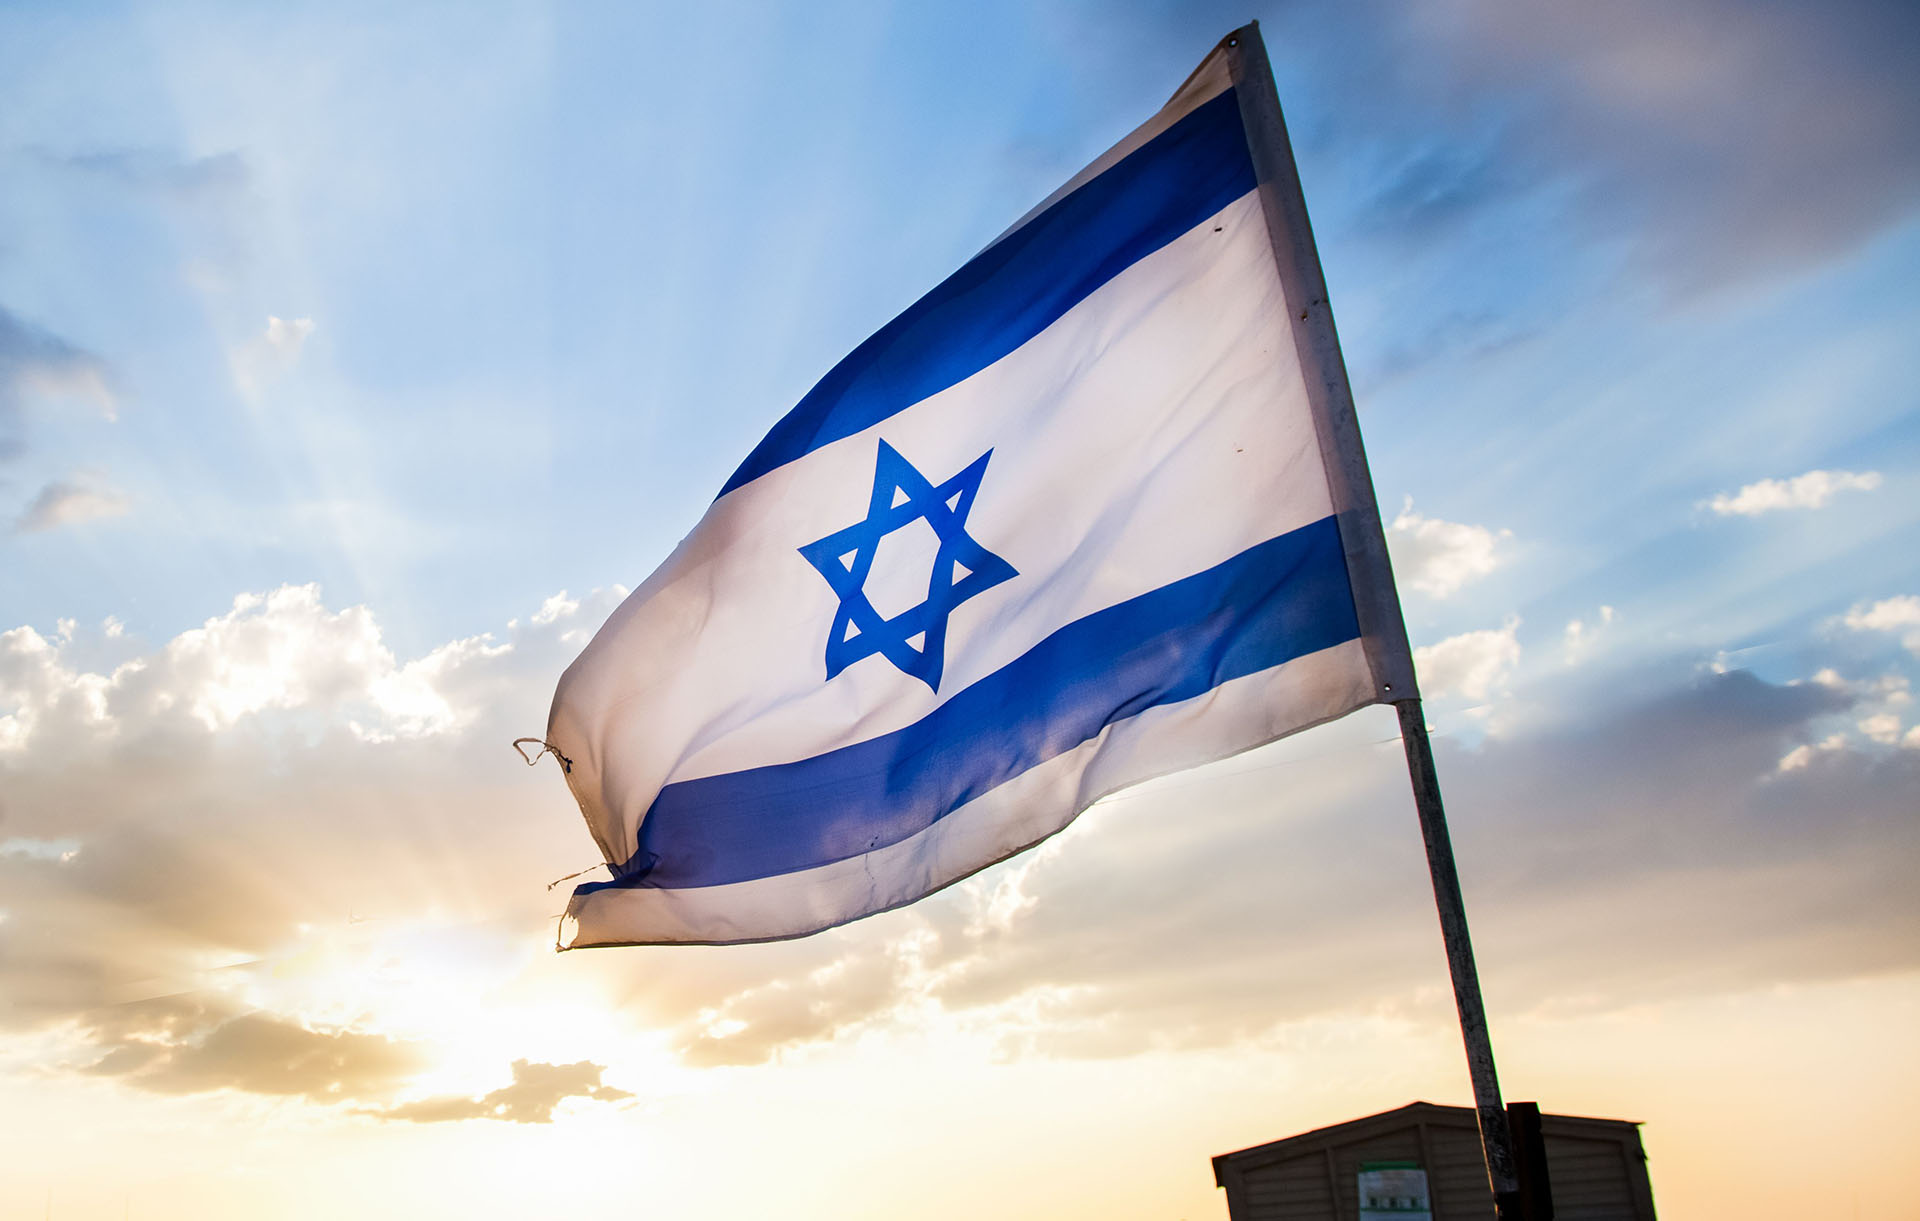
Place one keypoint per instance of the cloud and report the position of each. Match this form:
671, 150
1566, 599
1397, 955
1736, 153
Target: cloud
277, 651
1435, 185
287, 336
557, 607
1809, 491
536, 1090
1882, 727
136, 909
179, 1051
1715, 141
1877, 706
1806, 753
41, 849
1886, 615
1646, 842
1579, 636
1459, 336
152, 170
754, 1025
199, 1042
69, 503
1732, 138
276, 766
269, 355
1899, 614
37, 365
1647, 845
1439, 558
1472, 664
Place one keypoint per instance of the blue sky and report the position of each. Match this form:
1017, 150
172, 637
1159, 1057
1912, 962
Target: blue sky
560, 273
454, 309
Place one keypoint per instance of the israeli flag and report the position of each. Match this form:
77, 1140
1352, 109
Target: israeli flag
1091, 511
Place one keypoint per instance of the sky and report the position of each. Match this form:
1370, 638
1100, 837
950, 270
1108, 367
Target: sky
355, 361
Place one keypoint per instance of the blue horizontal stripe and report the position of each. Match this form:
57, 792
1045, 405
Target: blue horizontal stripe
1017, 288
1281, 599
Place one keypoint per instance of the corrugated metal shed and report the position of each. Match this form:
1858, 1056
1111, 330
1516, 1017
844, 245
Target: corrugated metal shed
1597, 1168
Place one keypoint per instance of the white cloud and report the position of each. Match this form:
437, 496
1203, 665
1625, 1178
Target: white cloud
1439, 557
61, 851
70, 502
1897, 614
1808, 491
189, 806
1875, 712
270, 354
34, 685
1882, 727
288, 336
1889, 690
1472, 664
1801, 757
279, 651
1886, 615
415, 698
1579, 637
557, 607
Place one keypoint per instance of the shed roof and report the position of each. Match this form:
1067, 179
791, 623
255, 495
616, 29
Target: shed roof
1432, 1114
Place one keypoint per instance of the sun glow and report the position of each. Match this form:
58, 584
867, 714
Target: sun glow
464, 994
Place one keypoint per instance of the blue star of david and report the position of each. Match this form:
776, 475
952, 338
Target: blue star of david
962, 568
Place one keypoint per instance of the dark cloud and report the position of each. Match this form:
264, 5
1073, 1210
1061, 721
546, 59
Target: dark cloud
1432, 187
66, 502
135, 911
536, 1090
1722, 137
816, 1006
34, 362
189, 178
193, 1045
1718, 139
1466, 336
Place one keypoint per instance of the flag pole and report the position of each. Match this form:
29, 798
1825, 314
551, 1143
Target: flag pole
1376, 603
1496, 1137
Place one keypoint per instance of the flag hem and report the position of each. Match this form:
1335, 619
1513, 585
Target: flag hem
1186, 763
1329, 393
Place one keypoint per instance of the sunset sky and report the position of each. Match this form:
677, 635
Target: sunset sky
355, 361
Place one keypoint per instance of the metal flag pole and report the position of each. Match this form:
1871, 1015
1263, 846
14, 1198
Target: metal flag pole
1376, 603
1496, 1137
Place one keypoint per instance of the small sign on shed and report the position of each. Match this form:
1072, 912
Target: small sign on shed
1394, 1191
1423, 1162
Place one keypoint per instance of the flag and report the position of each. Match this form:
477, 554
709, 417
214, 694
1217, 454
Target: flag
1091, 511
